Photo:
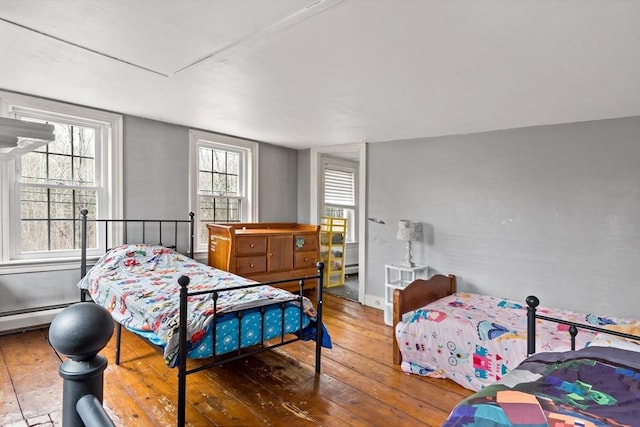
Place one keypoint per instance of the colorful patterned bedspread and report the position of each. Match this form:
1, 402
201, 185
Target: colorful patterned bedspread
596, 386
138, 284
476, 339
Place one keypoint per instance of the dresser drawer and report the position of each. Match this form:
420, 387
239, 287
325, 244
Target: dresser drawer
304, 260
251, 245
305, 242
251, 265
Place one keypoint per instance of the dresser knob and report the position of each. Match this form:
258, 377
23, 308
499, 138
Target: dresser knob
251, 265
252, 245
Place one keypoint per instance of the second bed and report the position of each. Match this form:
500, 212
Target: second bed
474, 339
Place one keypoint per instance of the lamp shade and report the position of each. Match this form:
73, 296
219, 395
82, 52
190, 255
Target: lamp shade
409, 231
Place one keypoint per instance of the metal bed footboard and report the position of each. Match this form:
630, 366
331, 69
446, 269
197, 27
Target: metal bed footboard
240, 353
533, 302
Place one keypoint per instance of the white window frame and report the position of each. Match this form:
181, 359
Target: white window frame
14, 105
248, 180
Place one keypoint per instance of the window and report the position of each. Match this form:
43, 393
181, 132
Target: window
223, 181
45, 189
339, 186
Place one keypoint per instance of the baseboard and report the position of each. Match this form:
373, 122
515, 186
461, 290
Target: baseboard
27, 321
374, 301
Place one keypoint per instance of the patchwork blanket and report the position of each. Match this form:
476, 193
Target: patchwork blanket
596, 386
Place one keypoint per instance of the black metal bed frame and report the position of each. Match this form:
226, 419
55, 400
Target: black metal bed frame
183, 282
533, 302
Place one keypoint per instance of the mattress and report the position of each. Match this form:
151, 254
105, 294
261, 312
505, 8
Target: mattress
476, 339
138, 285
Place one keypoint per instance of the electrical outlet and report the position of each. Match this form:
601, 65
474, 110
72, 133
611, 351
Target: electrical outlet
374, 302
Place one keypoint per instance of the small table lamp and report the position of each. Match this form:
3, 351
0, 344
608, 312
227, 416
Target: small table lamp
409, 231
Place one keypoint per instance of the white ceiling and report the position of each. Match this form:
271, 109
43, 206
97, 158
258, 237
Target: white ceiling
306, 73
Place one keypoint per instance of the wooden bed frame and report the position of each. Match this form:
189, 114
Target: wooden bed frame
145, 235
421, 292
415, 295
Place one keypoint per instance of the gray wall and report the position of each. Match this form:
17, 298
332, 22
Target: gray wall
278, 184
156, 164
156, 169
156, 185
304, 186
552, 211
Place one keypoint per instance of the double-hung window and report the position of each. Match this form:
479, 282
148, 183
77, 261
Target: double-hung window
339, 187
223, 181
45, 189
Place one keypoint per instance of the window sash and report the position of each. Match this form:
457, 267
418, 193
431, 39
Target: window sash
54, 213
217, 209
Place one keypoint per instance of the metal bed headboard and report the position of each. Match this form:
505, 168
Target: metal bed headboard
144, 223
533, 302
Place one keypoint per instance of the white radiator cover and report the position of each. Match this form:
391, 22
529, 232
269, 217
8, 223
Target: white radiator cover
351, 258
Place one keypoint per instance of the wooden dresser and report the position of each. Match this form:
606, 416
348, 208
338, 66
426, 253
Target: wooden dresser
266, 251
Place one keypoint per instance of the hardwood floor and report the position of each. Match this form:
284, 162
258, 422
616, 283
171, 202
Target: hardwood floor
358, 386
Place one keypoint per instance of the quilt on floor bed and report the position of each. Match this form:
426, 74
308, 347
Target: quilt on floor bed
138, 284
596, 386
476, 339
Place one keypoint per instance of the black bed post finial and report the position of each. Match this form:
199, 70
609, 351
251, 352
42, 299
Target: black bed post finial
183, 281
80, 332
532, 302
573, 331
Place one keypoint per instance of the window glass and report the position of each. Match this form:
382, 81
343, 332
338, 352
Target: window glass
220, 186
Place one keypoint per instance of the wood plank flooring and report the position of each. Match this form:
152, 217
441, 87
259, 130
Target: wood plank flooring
358, 386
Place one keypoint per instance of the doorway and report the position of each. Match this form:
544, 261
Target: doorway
354, 280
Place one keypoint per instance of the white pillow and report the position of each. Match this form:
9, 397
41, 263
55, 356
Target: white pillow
605, 340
